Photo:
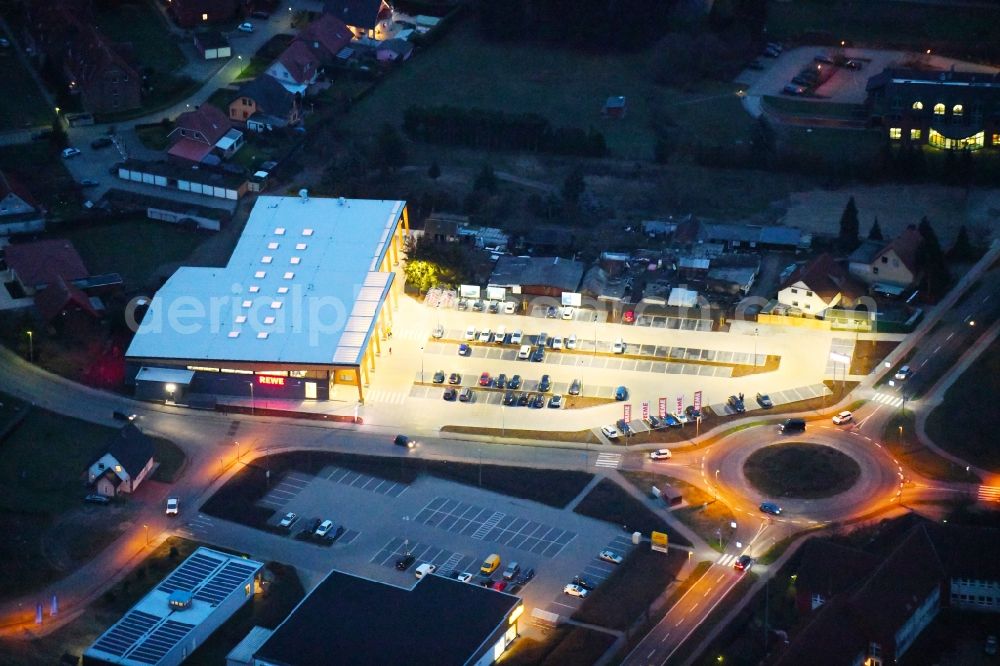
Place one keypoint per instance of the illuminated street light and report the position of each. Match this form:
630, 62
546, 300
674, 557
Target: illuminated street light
31, 347
146, 527
170, 389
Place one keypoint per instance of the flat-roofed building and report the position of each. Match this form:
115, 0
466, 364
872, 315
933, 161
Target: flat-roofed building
302, 305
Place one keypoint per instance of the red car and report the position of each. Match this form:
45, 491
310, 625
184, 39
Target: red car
629, 317
485, 379
499, 585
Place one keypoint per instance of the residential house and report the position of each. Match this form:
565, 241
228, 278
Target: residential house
212, 45
614, 107
866, 609
361, 16
264, 104
125, 463
693, 232
394, 50
191, 13
818, 285
91, 67
19, 212
538, 276
949, 110
326, 37
197, 133
296, 68
39, 264
889, 267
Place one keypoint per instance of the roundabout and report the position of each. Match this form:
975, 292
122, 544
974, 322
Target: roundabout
800, 470
825, 475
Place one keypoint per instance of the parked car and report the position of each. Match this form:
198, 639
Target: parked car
490, 564
571, 341
542, 339
464, 350
463, 577
736, 404
122, 416
499, 335
245, 27
470, 334
450, 394
537, 401
509, 307
764, 400
556, 402
524, 353
610, 432
172, 506
581, 582
545, 384
513, 568
424, 569
494, 307
610, 556
499, 585
557, 342
454, 378
288, 520
550, 313
97, 498
500, 381
463, 304
843, 417
438, 332
621, 393
70, 152
510, 399
575, 591
743, 563
465, 395
539, 355
672, 421
624, 427
485, 379
485, 335
439, 377
324, 528
903, 373
515, 337
514, 382
574, 387
404, 562
522, 399
660, 454
618, 346
628, 317
404, 441
567, 312
771, 508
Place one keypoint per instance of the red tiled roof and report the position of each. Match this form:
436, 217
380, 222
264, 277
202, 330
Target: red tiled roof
189, 149
61, 296
300, 62
10, 185
825, 277
206, 120
328, 33
45, 262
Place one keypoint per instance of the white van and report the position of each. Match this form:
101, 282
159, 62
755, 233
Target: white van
524, 353
424, 569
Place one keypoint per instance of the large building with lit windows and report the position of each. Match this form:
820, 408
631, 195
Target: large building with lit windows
304, 305
950, 110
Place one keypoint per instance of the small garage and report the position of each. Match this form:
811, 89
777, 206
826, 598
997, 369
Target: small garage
212, 45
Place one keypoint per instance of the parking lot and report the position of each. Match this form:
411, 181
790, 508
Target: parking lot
777, 398
594, 572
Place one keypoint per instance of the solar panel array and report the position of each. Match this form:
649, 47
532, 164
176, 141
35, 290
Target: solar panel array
120, 638
222, 584
161, 641
195, 569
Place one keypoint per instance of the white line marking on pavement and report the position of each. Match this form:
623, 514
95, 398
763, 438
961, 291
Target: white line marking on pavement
950, 336
937, 349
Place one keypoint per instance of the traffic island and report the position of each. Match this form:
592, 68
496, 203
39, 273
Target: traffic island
801, 471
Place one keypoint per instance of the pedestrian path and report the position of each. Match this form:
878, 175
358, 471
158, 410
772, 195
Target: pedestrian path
383, 397
888, 399
611, 460
727, 559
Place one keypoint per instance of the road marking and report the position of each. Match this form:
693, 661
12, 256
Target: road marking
986, 298
950, 336
651, 653
612, 460
664, 639
937, 349
680, 621
924, 362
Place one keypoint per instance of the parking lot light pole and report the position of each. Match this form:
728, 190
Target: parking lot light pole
31, 347
146, 528
421, 364
755, 334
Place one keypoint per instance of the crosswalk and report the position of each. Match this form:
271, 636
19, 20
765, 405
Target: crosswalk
611, 460
727, 559
988, 493
888, 399
383, 397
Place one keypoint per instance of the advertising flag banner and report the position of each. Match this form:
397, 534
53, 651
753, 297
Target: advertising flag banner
680, 404
645, 410
697, 401
663, 407
628, 412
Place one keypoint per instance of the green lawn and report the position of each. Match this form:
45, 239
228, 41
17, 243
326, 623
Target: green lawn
38, 166
973, 439
899, 436
45, 460
801, 471
883, 22
567, 87
133, 247
609, 501
142, 26
814, 109
25, 107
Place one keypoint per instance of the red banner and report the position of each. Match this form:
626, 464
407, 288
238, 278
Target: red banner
697, 401
680, 404
628, 412
663, 407
645, 410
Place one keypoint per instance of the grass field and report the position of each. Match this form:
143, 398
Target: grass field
811, 109
27, 107
565, 645
142, 26
609, 501
801, 471
900, 438
973, 439
883, 22
567, 87
150, 245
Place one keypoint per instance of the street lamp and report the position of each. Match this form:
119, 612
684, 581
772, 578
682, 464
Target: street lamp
421, 364
755, 334
146, 528
237, 450
171, 387
251, 398
31, 347
595, 334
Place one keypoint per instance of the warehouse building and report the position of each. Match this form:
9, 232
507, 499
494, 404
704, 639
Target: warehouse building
302, 306
175, 617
